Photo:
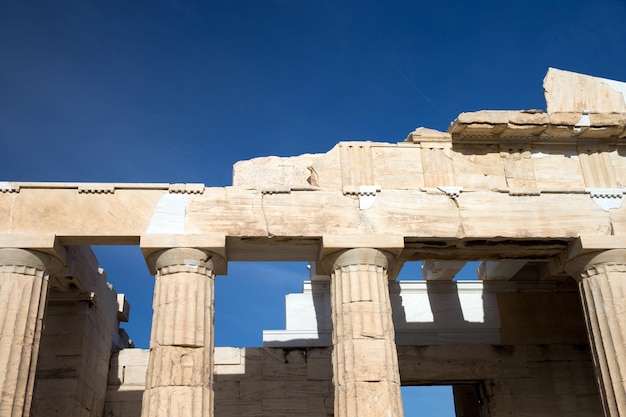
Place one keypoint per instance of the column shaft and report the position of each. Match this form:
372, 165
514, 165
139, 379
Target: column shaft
179, 381
602, 283
365, 360
23, 294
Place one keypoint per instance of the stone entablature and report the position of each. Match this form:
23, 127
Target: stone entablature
536, 197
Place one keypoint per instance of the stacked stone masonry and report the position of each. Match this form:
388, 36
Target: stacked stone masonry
535, 197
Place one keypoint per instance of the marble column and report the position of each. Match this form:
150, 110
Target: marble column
179, 381
365, 360
602, 284
23, 294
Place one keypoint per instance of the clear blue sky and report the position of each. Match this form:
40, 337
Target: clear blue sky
178, 91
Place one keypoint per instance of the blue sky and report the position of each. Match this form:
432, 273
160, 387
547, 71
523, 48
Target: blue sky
177, 91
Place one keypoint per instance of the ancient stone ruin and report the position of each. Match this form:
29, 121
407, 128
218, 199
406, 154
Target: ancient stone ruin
535, 197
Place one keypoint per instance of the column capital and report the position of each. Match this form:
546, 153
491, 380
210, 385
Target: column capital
334, 245
590, 264
355, 256
186, 259
29, 262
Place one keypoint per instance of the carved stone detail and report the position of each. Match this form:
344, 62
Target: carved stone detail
186, 188
602, 283
23, 287
365, 361
7, 187
180, 378
607, 198
96, 189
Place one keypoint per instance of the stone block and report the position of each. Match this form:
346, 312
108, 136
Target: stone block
131, 409
227, 356
308, 389
319, 369
239, 408
226, 388
365, 360
251, 389
284, 407
366, 320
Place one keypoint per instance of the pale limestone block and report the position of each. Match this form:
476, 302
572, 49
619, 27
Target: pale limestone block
239, 369
476, 169
424, 134
178, 401
368, 399
492, 117
227, 356
367, 320
527, 117
177, 366
135, 375
367, 360
438, 166
124, 394
388, 176
181, 303
569, 91
557, 167
132, 357
268, 173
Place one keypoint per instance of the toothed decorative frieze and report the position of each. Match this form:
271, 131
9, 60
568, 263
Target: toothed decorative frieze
522, 192
607, 198
276, 190
367, 194
7, 187
451, 191
186, 188
96, 189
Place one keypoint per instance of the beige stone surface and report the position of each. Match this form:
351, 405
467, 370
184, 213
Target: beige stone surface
23, 294
517, 190
570, 91
81, 329
365, 363
602, 276
179, 379
544, 380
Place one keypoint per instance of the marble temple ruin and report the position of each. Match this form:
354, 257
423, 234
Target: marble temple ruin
536, 197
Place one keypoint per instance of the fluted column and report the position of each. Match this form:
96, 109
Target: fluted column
365, 360
602, 284
179, 381
23, 295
